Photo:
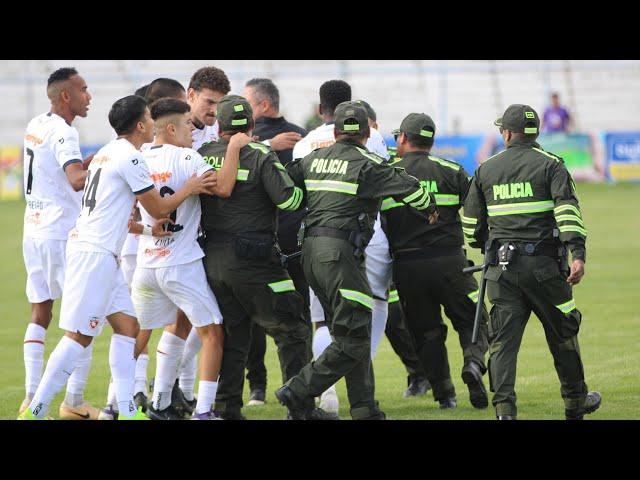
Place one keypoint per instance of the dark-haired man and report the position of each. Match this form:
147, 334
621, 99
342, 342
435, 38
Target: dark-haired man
117, 175
53, 177
241, 261
170, 274
271, 128
428, 262
344, 184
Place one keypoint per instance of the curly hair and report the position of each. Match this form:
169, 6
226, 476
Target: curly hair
333, 93
212, 78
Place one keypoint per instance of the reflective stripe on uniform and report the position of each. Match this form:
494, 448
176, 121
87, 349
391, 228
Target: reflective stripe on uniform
259, 146
423, 203
414, 195
331, 186
294, 200
468, 231
389, 203
370, 157
547, 154
243, 175
393, 296
572, 228
474, 295
445, 163
569, 218
446, 199
282, 286
563, 208
567, 306
359, 297
469, 220
279, 166
520, 208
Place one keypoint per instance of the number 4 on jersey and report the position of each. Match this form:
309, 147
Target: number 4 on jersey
90, 189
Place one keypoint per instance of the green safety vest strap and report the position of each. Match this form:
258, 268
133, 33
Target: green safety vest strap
446, 199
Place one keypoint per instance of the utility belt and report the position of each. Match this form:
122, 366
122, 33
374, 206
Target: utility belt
426, 253
355, 238
247, 245
507, 252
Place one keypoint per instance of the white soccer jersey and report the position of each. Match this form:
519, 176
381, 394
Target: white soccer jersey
322, 137
170, 168
50, 144
117, 173
207, 134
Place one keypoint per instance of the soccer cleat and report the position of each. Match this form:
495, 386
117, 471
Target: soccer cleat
591, 404
26, 414
210, 415
139, 415
418, 386
472, 376
227, 415
179, 403
108, 413
257, 397
84, 411
329, 400
449, 402
141, 400
168, 413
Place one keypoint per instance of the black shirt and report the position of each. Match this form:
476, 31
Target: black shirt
288, 222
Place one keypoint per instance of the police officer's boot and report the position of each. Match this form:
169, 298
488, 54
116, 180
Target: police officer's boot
301, 409
417, 385
591, 404
472, 376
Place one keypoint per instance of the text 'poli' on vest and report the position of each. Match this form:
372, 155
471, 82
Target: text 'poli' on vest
327, 165
512, 190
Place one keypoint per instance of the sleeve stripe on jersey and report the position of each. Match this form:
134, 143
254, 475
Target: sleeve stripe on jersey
69, 162
389, 203
563, 208
572, 228
569, 218
446, 199
331, 186
144, 190
293, 202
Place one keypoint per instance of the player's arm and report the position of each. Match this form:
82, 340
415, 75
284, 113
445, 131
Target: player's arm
283, 141
156, 231
227, 175
68, 155
76, 174
474, 216
279, 186
159, 207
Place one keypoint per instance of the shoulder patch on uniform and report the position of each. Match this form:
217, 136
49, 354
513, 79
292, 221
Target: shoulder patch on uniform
444, 162
371, 156
259, 146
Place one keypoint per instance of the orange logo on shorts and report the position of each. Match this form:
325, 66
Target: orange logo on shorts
93, 322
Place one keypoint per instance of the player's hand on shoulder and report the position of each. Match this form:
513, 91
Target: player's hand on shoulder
205, 183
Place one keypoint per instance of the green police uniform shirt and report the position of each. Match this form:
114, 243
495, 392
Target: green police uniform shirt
344, 180
448, 182
524, 194
262, 186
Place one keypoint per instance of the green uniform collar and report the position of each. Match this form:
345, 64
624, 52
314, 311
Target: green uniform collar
523, 143
414, 154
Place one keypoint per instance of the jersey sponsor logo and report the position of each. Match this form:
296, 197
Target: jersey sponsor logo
33, 139
157, 252
99, 160
329, 165
161, 177
33, 219
512, 190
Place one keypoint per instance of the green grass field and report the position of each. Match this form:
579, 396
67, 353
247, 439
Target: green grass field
609, 298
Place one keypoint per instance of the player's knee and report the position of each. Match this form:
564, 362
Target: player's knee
41, 314
182, 325
212, 334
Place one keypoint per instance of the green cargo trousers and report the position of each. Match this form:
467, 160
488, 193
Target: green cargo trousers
532, 284
340, 282
260, 291
424, 286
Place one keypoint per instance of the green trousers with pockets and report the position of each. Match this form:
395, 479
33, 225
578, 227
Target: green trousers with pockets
532, 284
426, 285
339, 280
260, 291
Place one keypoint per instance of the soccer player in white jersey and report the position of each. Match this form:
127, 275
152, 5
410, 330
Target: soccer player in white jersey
53, 177
94, 287
170, 273
378, 260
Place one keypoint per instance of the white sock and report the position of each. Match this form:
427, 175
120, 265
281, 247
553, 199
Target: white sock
111, 396
170, 350
378, 323
78, 379
189, 364
33, 357
206, 396
141, 374
123, 369
61, 363
321, 340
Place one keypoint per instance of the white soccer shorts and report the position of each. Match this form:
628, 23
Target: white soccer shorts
94, 288
157, 293
45, 263
128, 265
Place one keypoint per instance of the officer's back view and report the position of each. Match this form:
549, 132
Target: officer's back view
241, 261
428, 262
344, 185
523, 201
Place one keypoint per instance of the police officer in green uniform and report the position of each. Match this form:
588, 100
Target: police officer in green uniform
522, 207
241, 257
428, 262
344, 185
